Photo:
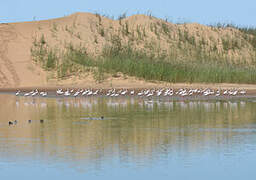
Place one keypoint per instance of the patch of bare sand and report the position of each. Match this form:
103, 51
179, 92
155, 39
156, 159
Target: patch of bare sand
17, 70
124, 82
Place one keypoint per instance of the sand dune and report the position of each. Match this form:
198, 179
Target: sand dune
17, 69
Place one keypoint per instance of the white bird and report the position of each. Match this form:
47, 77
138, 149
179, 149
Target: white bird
96, 92
89, 93
124, 92
34, 93
170, 93
44, 94
76, 94
150, 94
206, 93
17, 93
67, 93
166, 92
140, 94
242, 92
235, 93
232, 92
217, 93
146, 92
59, 92
184, 94
84, 93
27, 94
158, 93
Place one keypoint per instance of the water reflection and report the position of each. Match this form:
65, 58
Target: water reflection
135, 131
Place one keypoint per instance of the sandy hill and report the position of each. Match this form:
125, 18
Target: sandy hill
92, 31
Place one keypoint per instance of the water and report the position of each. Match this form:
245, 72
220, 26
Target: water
137, 138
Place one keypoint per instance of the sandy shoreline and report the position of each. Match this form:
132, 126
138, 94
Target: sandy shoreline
136, 86
250, 88
102, 92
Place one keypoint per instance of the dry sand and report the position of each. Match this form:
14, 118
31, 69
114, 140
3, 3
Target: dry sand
18, 71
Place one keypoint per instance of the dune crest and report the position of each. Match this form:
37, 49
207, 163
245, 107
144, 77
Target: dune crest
92, 31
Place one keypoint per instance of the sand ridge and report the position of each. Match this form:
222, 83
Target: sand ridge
16, 39
6, 35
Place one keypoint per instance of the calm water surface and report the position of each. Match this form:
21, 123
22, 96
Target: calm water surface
136, 139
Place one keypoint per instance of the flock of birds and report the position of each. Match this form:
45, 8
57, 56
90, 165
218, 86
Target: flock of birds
15, 122
163, 92
166, 92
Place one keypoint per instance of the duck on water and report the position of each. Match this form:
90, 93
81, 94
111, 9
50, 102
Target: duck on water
93, 118
12, 122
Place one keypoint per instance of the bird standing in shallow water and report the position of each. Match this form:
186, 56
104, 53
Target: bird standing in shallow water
12, 123
17, 93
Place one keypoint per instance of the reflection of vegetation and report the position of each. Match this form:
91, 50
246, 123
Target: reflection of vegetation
145, 126
131, 125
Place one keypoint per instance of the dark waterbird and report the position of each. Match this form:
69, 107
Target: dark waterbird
13, 123
41, 121
29, 121
93, 118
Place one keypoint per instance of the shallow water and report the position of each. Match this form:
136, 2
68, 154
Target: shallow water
137, 138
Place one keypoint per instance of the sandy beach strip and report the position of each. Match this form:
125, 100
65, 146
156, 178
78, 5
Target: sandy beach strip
250, 91
250, 88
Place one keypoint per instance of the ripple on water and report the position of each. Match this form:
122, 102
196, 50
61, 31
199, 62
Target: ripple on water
137, 138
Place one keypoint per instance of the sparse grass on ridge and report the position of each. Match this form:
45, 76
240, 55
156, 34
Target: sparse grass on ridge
135, 63
189, 61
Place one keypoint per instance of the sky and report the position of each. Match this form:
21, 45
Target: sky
239, 12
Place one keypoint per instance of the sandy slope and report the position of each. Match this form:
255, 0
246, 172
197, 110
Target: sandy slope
18, 70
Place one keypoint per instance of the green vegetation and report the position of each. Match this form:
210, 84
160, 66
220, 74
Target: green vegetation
190, 57
44, 55
249, 33
120, 58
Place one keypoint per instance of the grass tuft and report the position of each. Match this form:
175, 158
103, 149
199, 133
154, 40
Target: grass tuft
188, 61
